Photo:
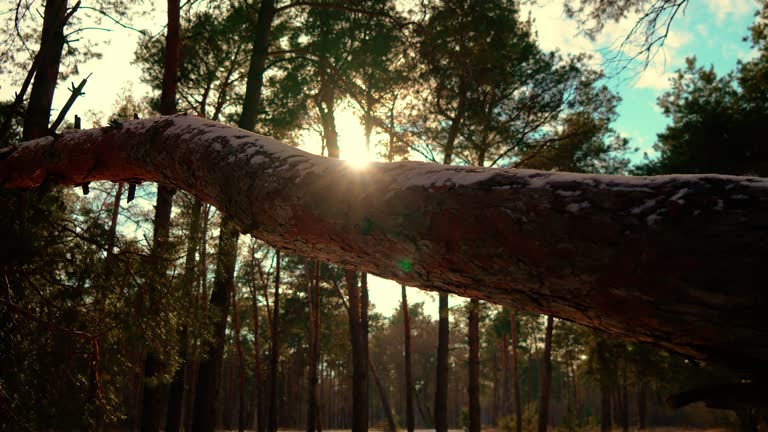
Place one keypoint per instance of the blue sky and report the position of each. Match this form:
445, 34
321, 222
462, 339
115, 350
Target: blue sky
711, 30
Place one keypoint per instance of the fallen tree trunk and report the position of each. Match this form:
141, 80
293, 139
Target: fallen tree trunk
674, 260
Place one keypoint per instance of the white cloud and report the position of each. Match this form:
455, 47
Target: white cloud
654, 77
677, 40
554, 30
734, 9
702, 30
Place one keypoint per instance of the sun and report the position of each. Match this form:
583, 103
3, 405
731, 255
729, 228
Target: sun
352, 139
356, 155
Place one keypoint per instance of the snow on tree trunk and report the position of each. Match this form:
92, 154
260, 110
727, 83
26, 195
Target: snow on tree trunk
672, 260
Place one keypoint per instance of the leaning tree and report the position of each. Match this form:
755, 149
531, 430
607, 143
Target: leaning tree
676, 261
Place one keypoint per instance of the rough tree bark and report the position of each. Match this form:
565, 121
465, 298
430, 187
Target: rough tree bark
671, 260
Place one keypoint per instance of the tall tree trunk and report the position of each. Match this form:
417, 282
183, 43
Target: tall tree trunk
173, 418
257, 399
364, 357
391, 425
41, 96
93, 397
358, 317
546, 377
423, 411
642, 404
359, 369
240, 364
257, 65
313, 409
171, 59
605, 381
441, 383
209, 371
154, 365
409, 414
495, 384
201, 300
506, 397
275, 350
152, 405
474, 366
624, 392
515, 375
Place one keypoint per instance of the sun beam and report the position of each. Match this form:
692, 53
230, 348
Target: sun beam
352, 139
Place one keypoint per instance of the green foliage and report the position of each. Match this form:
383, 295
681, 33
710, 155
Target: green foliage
718, 122
512, 104
59, 307
213, 63
715, 127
